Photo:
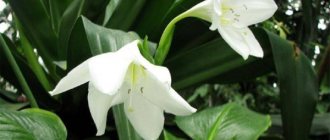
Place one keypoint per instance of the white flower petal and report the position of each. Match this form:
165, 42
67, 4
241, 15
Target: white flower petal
248, 12
146, 118
254, 46
99, 105
162, 95
77, 76
202, 10
236, 40
161, 73
108, 70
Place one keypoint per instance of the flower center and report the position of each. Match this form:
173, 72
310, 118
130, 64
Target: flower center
135, 77
231, 14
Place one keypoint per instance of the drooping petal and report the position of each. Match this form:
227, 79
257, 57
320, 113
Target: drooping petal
202, 10
254, 46
108, 70
146, 118
77, 76
248, 12
216, 15
235, 38
99, 105
161, 73
162, 95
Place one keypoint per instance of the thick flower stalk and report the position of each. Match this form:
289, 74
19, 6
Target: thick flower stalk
231, 18
127, 77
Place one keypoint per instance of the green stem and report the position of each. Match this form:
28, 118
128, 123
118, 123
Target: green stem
166, 39
32, 59
18, 73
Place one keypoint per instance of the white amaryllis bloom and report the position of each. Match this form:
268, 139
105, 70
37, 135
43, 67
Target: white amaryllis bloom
127, 77
232, 18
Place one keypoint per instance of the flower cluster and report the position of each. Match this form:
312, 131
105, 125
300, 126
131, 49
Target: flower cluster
145, 89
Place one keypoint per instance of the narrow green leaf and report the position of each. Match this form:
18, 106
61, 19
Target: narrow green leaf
298, 88
152, 17
56, 10
227, 122
121, 19
35, 20
110, 10
6, 71
70, 15
31, 124
18, 72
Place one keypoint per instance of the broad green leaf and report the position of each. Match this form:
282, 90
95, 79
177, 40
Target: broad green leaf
298, 88
90, 39
226, 122
31, 124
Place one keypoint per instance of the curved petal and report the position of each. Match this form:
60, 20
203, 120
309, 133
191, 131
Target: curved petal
99, 105
235, 38
162, 95
161, 73
202, 10
108, 70
146, 118
254, 46
248, 12
76, 77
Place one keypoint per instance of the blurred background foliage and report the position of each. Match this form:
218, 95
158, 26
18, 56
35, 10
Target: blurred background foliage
42, 33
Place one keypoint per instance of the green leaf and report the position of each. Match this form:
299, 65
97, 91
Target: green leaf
189, 67
31, 124
298, 88
6, 71
169, 136
152, 16
56, 10
90, 39
35, 20
111, 7
121, 19
227, 122
70, 15
4, 104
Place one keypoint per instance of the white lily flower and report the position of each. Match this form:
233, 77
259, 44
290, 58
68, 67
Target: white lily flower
232, 18
127, 77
